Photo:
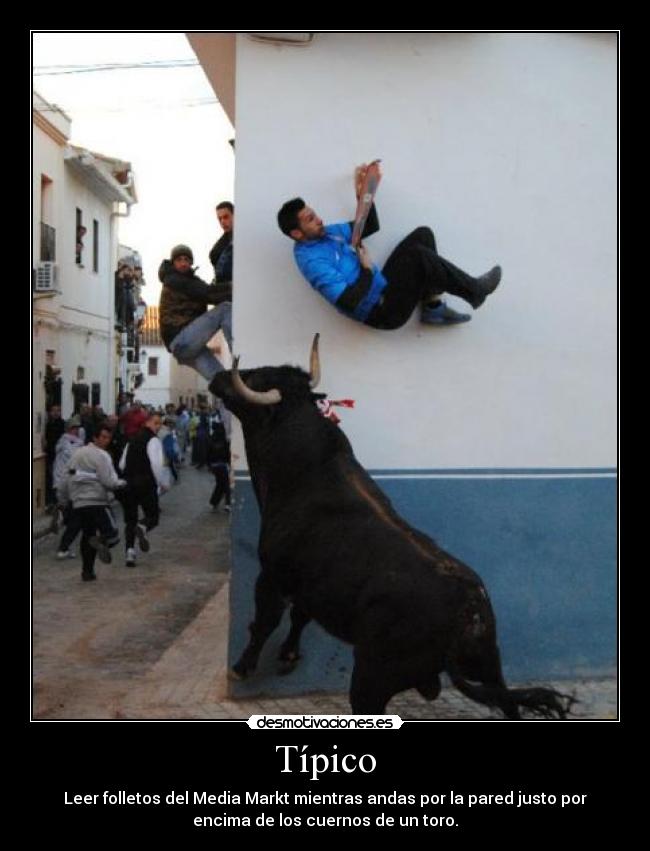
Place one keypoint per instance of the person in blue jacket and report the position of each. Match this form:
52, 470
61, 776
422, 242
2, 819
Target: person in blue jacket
414, 274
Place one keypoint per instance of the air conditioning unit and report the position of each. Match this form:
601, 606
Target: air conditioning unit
47, 277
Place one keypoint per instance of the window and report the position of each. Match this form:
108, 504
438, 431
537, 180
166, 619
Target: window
48, 242
52, 381
48, 233
81, 373
80, 395
95, 245
153, 366
95, 393
80, 232
46, 198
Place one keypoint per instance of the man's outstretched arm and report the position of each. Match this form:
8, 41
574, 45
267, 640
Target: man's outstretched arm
372, 222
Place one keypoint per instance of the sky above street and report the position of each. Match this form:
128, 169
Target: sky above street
165, 121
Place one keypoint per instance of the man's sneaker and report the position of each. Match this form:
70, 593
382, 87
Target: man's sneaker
65, 554
88, 577
486, 284
141, 535
442, 314
130, 557
103, 552
226, 508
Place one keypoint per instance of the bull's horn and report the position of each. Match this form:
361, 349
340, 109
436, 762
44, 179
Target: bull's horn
314, 363
267, 397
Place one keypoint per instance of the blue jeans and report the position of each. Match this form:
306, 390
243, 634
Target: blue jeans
189, 345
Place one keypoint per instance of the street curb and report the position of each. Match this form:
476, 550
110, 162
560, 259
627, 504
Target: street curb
41, 529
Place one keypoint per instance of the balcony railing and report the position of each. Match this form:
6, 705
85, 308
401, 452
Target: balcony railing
48, 242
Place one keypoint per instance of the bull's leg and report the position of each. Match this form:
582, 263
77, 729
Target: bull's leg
290, 650
431, 689
368, 691
269, 606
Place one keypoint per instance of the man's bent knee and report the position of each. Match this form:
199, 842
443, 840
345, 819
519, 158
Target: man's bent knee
424, 235
182, 353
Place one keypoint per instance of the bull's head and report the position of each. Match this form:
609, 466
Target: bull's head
265, 386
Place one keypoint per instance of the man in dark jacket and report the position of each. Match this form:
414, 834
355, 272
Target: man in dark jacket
218, 458
142, 467
221, 252
54, 428
185, 326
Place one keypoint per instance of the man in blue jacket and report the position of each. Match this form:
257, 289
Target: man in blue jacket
414, 273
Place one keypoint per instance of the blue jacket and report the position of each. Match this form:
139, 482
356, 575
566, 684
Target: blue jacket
330, 264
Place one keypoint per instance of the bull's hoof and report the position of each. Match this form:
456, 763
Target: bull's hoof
239, 671
287, 661
431, 690
287, 666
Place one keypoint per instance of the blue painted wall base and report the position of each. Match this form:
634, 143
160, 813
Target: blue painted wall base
545, 548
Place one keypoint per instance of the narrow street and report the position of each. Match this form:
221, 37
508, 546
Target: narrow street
150, 642
94, 643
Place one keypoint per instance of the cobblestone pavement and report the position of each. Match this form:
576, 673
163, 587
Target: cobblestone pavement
150, 642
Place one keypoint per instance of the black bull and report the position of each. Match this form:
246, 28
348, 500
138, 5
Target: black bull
332, 544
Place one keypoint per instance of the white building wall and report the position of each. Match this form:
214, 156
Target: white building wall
87, 300
45, 338
505, 144
172, 381
156, 389
186, 382
48, 161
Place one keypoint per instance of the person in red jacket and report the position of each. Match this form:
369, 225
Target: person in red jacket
133, 419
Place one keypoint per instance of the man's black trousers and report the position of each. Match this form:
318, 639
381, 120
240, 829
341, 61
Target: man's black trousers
416, 273
145, 496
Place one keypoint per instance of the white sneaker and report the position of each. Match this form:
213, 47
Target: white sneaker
130, 558
65, 554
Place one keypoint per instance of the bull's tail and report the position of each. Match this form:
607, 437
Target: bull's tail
539, 702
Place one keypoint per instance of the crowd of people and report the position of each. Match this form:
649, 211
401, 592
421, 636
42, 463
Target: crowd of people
94, 461
133, 457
